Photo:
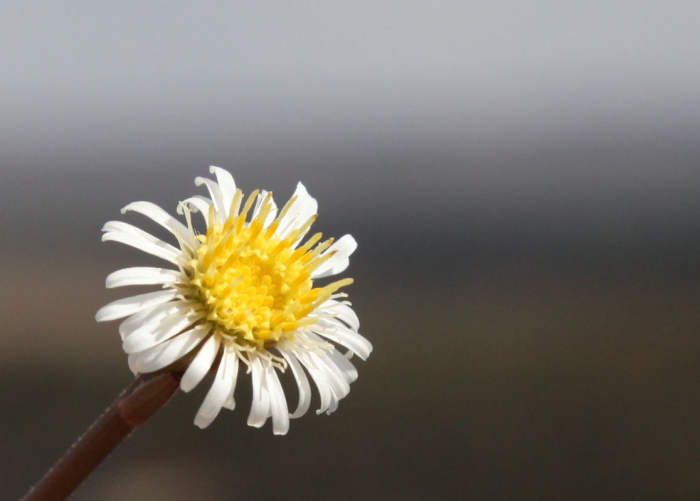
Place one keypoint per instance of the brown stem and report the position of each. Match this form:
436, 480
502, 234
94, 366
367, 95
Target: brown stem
147, 394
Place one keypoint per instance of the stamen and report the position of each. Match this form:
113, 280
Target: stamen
254, 286
280, 215
235, 203
319, 248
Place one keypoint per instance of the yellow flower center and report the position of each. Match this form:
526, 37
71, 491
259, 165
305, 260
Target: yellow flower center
256, 286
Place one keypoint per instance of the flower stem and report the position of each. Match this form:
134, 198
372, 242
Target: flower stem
147, 394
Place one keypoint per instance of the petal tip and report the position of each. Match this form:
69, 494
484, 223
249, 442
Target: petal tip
201, 422
102, 314
127, 208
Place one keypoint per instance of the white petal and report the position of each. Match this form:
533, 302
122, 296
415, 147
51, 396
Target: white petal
166, 353
258, 205
141, 276
278, 402
230, 403
260, 406
218, 392
149, 336
227, 186
339, 385
149, 316
340, 361
302, 382
324, 389
200, 365
196, 203
215, 193
334, 404
331, 401
339, 310
335, 331
130, 235
130, 305
344, 365
339, 261
148, 209
299, 212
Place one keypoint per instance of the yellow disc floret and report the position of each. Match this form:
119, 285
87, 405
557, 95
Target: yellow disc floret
255, 285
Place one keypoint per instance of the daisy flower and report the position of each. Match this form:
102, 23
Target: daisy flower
242, 294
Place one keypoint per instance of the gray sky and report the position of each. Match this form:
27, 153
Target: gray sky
417, 110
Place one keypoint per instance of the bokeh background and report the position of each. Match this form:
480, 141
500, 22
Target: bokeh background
523, 179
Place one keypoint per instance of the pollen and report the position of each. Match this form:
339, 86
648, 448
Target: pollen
255, 285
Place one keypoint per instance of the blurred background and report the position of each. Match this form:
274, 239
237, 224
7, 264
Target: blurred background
523, 179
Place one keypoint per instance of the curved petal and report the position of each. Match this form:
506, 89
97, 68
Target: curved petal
339, 261
278, 402
151, 210
339, 333
324, 389
339, 385
260, 406
166, 353
218, 392
196, 203
341, 362
200, 365
131, 235
302, 208
150, 316
227, 186
141, 276
258, 205
130, 305
230, 403
344, 365
145, 338
302, 382
339, 310
217, 198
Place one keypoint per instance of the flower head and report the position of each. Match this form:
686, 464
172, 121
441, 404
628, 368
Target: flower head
243, 293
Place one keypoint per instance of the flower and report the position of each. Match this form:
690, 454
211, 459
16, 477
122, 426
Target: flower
243, 293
